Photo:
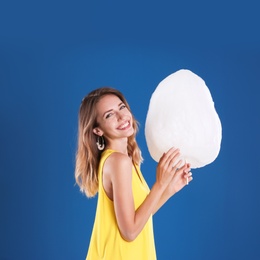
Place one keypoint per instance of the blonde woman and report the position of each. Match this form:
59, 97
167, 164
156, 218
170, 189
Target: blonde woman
108, 163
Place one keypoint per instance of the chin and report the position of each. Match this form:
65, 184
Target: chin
132, 132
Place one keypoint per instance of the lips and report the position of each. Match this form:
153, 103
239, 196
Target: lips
124, 126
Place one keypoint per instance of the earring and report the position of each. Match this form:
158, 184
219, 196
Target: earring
100, 142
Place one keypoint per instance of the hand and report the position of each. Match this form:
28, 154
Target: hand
181, 178
167, 167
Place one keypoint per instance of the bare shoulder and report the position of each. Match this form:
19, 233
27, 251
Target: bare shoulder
117, 161
118, 166
116, 173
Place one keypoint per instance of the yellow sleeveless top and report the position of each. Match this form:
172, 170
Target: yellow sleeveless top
106, 242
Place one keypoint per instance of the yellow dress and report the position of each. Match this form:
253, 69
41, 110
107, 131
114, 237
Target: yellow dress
106, 242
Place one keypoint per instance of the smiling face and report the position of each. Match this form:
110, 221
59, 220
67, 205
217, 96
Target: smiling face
113, 118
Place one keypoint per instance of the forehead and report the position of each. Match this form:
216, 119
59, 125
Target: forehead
108, 102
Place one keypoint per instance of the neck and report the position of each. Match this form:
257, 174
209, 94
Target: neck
118, 145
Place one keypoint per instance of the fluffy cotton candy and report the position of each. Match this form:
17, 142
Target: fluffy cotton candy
181, 114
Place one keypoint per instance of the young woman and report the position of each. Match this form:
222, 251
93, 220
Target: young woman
108, 163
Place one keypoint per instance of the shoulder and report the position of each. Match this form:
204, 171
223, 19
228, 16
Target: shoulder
117, 170
118, 160
118, 167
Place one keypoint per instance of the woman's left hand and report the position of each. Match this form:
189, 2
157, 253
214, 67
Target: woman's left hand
181, 178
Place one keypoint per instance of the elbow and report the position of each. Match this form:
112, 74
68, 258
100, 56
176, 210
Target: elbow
129, 236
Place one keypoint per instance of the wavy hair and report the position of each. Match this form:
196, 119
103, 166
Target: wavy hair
87, 154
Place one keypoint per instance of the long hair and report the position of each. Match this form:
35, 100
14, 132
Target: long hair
88, 155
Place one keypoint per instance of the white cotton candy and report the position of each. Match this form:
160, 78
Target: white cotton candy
181, 114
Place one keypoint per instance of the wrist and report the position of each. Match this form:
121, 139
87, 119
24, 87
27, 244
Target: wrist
169, 192
159, 188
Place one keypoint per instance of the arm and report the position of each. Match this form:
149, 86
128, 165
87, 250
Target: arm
131, 221
178, 182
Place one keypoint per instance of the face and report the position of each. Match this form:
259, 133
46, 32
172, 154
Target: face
113, 117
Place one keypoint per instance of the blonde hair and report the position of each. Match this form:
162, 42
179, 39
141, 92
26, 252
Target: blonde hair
88, 155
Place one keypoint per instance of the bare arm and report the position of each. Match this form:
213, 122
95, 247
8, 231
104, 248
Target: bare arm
131, 221
178, 182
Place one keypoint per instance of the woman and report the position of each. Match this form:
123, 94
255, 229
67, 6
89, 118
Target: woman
108, 163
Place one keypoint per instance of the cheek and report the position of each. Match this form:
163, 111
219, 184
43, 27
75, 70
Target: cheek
109, 124
129, 114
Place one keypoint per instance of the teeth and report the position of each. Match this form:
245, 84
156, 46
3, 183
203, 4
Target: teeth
124, 125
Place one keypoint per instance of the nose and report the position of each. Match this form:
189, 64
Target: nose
120, 115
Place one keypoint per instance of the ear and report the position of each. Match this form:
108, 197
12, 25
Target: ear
97, 131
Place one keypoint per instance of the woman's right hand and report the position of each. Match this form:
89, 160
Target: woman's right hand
167, 166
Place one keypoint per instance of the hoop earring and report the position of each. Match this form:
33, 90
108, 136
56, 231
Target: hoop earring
100, 142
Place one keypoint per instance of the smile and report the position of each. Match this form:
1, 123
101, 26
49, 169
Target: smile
124, 126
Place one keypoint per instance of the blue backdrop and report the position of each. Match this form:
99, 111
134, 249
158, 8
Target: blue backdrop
52, 53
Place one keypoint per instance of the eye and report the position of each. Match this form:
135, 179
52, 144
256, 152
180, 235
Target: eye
108, 115
122, 107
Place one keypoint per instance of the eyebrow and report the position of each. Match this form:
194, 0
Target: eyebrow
112, 109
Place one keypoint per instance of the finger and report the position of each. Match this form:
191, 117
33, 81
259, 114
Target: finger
178, 167
172, 154
187, 170
187, 175
188, 178
162, 158
165, 156
181, 167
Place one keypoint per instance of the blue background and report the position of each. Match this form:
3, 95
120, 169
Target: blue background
52, 53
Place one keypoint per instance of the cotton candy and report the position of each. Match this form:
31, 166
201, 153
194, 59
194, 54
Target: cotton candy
181, 114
